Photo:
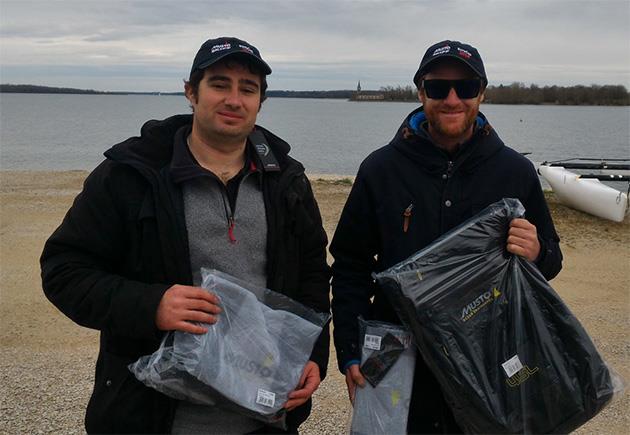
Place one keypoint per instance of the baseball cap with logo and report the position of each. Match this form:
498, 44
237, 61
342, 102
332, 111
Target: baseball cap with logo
453, 49
214, 50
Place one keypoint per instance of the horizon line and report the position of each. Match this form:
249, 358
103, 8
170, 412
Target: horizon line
288, 90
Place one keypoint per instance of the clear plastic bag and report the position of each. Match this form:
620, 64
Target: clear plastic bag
382, 405
248, 362
508, 353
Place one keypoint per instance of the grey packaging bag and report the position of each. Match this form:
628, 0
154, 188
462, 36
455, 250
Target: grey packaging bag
249, 361
384, 409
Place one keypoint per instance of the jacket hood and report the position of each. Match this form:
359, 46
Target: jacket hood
153, 149
413, 140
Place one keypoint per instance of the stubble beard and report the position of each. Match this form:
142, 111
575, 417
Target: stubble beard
228, 135
454, 131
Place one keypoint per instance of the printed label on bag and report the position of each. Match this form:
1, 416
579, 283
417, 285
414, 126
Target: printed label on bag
512, 366
266, 398
372, 342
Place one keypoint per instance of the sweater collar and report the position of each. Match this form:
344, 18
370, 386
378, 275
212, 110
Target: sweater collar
184, 166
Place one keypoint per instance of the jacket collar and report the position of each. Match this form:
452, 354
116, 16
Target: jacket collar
153, 149
413, 140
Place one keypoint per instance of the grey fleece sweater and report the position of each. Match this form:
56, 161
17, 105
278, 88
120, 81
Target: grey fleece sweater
240, 252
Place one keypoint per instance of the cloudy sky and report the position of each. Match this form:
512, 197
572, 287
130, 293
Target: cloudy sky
149, 45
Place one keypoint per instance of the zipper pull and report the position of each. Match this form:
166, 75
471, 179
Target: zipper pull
231, 230
407, 217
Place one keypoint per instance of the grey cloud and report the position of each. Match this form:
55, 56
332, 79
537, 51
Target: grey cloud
115, 18
326, 42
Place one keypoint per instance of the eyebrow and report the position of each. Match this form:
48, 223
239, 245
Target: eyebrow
220, 78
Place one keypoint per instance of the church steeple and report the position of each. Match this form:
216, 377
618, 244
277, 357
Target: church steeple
359, 86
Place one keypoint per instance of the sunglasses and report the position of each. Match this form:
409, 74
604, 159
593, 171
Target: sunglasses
439, 89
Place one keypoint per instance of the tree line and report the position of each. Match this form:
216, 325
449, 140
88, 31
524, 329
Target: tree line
519, 93
597, 95
37, 89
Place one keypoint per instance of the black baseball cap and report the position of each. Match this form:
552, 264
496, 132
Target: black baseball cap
214, 50
456, 50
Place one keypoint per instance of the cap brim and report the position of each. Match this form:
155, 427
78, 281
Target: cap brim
266, 69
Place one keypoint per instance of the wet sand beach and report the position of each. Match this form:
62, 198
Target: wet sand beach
47, 362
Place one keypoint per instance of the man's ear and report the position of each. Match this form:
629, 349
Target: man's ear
421, 96
189, 92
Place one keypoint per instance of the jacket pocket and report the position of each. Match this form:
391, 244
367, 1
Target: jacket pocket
400, 226
122, 404
107, 404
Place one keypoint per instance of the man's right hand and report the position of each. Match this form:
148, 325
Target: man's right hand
182, 304
354, 378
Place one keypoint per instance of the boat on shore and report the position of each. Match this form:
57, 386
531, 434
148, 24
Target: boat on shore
585, 192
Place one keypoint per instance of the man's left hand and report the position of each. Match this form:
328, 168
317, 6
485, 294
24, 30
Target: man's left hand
523, 239
309, 381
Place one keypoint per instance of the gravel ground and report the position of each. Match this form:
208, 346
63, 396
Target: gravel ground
47, 362
45, 391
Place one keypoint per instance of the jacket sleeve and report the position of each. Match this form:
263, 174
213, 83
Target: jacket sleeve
549, 261
354, 247
82, 259
314, 271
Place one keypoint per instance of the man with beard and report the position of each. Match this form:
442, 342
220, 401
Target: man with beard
211, 189
445, 164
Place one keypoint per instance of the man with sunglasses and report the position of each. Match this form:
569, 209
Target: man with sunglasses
445, 164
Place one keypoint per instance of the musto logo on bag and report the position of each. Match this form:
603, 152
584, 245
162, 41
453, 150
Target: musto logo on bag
478, 303
257, 368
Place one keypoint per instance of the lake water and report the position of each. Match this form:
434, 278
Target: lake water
59, 132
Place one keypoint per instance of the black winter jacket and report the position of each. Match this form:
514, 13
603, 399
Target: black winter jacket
123, 243
412, 176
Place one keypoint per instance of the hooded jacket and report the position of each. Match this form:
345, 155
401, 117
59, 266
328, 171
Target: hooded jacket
407, 194
123, 243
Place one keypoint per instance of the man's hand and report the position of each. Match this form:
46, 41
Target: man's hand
523, 239
354, 378
182, 304
309, 381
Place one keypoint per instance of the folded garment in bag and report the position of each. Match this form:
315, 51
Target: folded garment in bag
388, 360
507, 352
248, 361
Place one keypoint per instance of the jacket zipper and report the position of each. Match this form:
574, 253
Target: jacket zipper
449, 169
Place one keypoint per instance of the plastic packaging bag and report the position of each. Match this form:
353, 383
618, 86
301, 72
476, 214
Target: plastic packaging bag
387, 361
508, 353
248, 362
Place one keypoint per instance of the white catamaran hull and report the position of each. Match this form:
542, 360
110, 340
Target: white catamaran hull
586, 194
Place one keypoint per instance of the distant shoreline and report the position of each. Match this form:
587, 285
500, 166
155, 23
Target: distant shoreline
181, 94
494, 95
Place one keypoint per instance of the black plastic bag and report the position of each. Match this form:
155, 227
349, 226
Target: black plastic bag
508, 353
